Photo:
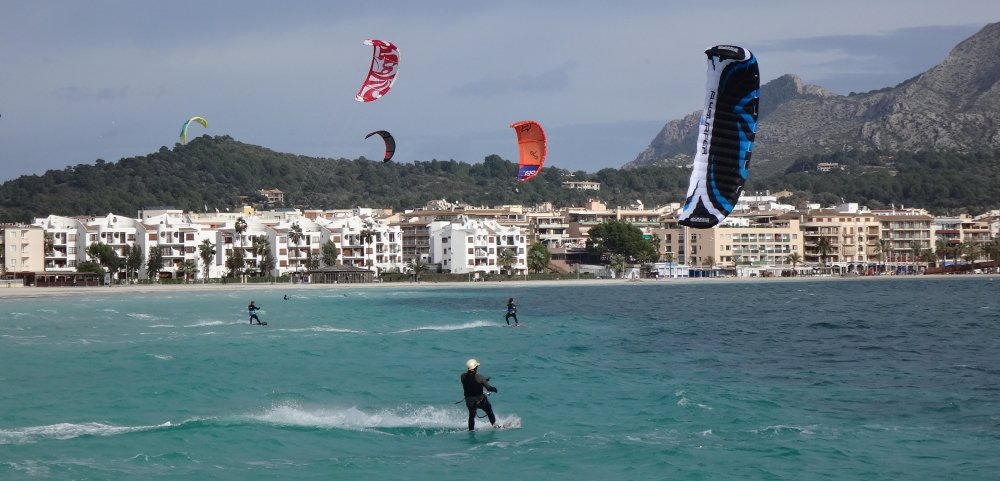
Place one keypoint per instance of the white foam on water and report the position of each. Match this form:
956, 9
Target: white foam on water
357, 419
63, 431
451, 327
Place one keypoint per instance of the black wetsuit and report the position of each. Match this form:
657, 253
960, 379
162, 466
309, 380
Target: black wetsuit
511, 312
473, 384
253, 313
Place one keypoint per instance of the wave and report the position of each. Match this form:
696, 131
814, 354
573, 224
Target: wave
214, 323
400, 420
323, 329
451, 327
63, 431
404, 420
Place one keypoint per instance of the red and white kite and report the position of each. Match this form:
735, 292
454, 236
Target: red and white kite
385, 64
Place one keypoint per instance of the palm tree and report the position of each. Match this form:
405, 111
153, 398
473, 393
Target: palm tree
942, 248
884, 250
917, 248
970, 252
616, 262
794, 259
260, 246
188, 269
207, 251
824, 247
295, 236
240, 227
538, 257
709, 262
366, 236
506, 260
417, 267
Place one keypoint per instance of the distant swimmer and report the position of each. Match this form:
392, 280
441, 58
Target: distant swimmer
253, 312
475, 399
286, 297
511, 311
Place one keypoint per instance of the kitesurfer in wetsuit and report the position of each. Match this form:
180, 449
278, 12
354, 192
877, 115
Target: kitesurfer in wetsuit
475, 399
253, 312
511, 311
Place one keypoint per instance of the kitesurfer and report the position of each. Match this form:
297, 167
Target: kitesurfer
253, 312
475, 399
511, 312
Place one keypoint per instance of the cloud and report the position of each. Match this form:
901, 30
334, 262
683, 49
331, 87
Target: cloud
845, 63
78, 93
553, 80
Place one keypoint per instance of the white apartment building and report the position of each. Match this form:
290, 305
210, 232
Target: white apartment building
68, 242
474, 245
178, 241
382, 252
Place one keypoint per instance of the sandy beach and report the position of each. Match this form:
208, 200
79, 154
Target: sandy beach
42, 292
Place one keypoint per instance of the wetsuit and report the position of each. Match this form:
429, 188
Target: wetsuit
511, 312
473, 384
253, 313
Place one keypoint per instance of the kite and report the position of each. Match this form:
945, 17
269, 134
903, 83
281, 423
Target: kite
382, 74
184, 128
531, 144
725, 137
390, 143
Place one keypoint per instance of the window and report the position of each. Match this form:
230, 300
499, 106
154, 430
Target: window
471, 250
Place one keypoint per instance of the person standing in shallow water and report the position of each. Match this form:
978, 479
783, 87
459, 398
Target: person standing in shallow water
511, 311
473, 384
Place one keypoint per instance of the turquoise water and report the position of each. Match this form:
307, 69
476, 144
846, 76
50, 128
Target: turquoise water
833, 379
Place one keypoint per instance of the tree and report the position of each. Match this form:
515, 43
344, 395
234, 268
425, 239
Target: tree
506, 260
329, 253
824, 247
260, 246
105, 255
417, 266
234, 261
942, 249
970, 251
616, 262
207, 252
366, 236
794, 259
992, 250
154, 262
295, 236
50, 243
91, 266
883, 251
133, 261
240, 227
312, 261
266, 263
615, 237
188, 269
538, 257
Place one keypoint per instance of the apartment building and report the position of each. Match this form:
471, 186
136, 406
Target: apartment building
22, 248
470, 245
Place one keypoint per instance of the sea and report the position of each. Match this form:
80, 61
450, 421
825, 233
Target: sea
766, 379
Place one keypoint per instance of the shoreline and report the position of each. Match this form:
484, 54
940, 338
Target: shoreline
43, 292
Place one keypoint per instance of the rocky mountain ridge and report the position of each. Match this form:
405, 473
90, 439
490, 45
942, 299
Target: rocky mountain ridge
953, 106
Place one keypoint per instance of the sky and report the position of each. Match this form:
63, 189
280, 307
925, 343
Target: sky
109, 79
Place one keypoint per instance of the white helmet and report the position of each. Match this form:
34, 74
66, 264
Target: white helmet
471, 364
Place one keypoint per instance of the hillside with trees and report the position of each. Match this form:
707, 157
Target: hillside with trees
221, 173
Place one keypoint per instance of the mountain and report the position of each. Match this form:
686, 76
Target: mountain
954, 106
